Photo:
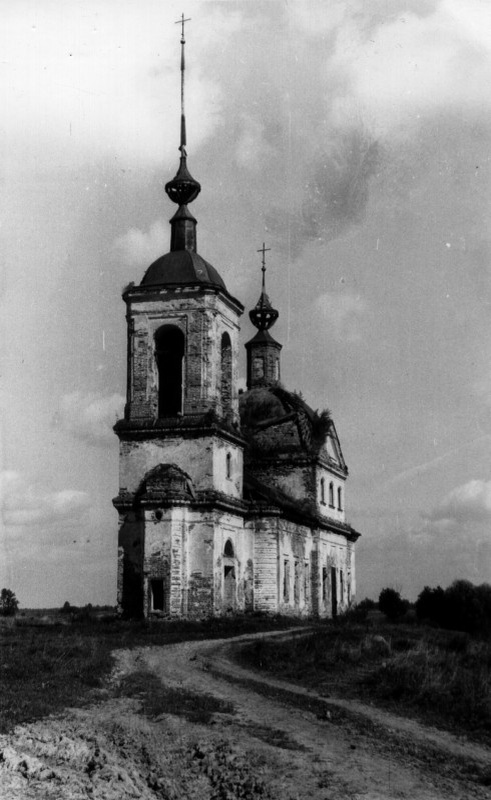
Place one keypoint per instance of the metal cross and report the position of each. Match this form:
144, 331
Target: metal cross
181, 22
264, 250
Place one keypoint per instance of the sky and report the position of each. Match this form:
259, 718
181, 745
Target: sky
353, 138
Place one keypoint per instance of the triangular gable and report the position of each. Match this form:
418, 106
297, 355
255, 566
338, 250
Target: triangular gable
333, 447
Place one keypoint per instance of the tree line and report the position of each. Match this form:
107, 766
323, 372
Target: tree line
462, 606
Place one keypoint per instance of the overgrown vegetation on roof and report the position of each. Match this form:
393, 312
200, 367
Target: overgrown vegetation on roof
257, 406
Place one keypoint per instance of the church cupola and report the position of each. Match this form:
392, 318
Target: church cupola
263, 352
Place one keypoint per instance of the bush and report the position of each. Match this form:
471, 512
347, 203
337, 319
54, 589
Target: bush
391, 604
8, 603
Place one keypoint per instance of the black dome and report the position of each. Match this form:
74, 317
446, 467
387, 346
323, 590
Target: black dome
182, 267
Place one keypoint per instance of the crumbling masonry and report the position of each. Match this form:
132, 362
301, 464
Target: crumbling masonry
226, 503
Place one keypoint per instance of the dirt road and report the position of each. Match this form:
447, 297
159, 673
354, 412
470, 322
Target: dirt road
268, 740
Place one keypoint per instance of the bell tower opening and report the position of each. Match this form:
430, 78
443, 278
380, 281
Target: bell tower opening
226, 371
169, 352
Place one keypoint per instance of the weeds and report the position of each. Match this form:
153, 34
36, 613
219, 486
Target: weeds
229, 773
440, 677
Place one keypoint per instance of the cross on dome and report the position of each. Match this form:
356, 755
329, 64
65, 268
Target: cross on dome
263, 315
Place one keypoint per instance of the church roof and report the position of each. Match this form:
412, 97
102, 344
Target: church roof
265, 495
275, 420
182, 267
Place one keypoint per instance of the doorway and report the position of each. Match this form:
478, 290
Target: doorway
229, 588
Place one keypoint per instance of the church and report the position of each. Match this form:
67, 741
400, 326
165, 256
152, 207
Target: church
229, 501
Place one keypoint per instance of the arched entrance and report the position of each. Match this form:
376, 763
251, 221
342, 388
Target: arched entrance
169, 351
229, 578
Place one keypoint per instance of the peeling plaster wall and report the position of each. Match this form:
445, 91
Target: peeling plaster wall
229, 527
204, 460
296, 545
289, 559
266, 560
336, 553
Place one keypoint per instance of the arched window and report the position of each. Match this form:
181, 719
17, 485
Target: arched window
340, 499
228, 550
228, 465
331, 494
323, 492
226, 371
169, 351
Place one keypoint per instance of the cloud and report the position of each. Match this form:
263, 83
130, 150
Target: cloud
468, 503
100, 79
90, 417
251, 145
342, 314
139, 248
26, 504
336, 194
404, 65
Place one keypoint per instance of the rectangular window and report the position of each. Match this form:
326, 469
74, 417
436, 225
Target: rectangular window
286, 581
157, 588
306, 581
324, 583
341, 585
296, 587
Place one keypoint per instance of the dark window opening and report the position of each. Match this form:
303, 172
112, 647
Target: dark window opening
331, 494
229, 465
169, 350
228, 549
306, 582
157, 587
286, 581
296, 584
341, 586
340, 498
226, 371
324, 583
334, 593
323, 492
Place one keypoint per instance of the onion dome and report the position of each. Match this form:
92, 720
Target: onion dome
263, 315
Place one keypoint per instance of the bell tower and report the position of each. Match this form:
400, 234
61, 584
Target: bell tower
181, 415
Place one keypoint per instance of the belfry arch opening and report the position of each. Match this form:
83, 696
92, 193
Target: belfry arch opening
169, 353
226, 371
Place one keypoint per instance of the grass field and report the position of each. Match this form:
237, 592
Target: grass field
439, 677
50, 663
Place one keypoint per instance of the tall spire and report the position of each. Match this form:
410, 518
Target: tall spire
182, 146
183, 189
263, 315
